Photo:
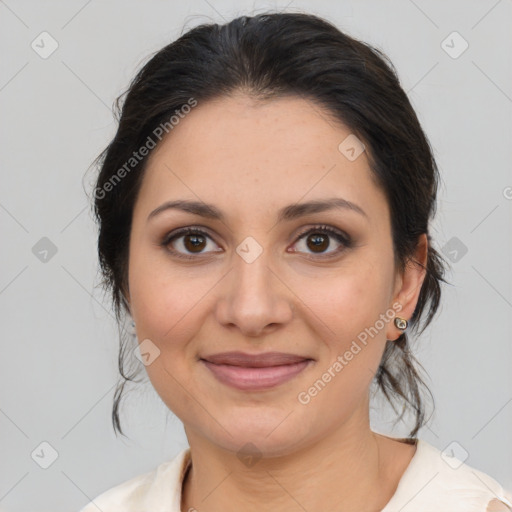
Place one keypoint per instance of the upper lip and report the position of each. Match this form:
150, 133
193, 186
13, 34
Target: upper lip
262, 360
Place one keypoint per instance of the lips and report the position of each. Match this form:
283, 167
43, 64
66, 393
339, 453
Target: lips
263, 360
255, 372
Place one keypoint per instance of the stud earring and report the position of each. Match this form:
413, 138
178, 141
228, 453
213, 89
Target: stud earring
131, 328
401, 323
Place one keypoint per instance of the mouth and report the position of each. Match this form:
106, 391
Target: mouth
255, 372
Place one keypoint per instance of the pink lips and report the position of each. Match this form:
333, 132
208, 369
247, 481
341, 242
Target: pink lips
255, 372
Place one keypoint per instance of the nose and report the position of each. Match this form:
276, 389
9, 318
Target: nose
254, 298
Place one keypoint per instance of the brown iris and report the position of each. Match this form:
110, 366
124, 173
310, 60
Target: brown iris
319, 241
194, 242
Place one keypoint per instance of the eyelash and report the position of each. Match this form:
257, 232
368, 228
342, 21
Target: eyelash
340, 237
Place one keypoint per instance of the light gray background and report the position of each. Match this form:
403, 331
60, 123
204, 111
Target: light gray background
59, 341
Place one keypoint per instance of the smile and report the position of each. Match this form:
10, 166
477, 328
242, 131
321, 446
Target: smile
254, 373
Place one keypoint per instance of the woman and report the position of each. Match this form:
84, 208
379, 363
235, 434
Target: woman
264, 218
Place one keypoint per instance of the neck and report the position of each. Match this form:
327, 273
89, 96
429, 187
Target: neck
345, 470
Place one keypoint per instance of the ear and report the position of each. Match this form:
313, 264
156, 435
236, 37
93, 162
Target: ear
408, 285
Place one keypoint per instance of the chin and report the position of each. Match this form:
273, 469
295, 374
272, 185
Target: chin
271, 435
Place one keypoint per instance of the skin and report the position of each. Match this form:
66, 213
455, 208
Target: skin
250, 159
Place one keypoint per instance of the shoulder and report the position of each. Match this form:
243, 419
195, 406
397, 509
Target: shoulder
157, 490
439, 481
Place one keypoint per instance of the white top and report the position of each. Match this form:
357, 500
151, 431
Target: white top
432, 482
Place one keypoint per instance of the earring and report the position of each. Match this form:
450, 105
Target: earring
131, 328
401, 323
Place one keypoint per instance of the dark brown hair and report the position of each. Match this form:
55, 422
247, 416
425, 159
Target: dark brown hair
273, 55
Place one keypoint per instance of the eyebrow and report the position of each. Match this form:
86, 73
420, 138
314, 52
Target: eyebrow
287, 213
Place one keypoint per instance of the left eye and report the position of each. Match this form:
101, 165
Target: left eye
318, 240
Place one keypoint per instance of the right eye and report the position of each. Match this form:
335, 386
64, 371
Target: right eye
186, 242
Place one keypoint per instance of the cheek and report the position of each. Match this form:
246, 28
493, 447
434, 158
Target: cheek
348, 300
345, 308
159, 309
170, 306
164, 298
167, 310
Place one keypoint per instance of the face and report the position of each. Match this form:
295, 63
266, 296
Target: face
259, 272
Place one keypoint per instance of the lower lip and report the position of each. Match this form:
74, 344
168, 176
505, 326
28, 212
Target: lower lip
244, 378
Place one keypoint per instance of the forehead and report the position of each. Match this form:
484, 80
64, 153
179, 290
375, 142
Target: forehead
264, 154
